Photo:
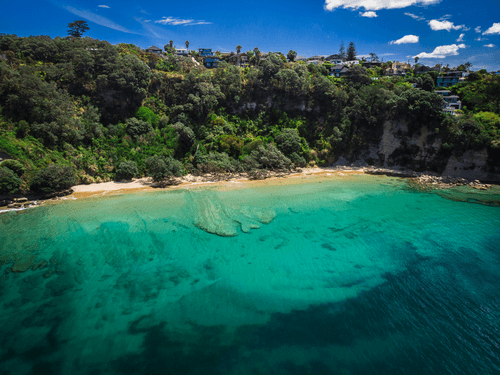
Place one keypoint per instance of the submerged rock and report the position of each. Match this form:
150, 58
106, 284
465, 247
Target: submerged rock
213, 216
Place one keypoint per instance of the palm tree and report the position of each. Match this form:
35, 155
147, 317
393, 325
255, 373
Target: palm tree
238, 48
171, 43
187, 44
416, 59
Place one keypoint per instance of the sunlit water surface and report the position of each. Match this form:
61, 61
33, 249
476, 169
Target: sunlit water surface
356, 275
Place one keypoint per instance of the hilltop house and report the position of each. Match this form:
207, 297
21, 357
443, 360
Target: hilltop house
181, 52
339, 71
372, 64
450, 102
398, 68
205, 52
211, 62
449, 79
155, 50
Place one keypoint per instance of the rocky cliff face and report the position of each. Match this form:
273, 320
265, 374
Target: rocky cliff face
422, 151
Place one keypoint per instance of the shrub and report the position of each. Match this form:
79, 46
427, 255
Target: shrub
53, 178
136, 127
14, 166
161, 168
231, 145
126, 170
269, 157
9, 181
146, 114
288, 141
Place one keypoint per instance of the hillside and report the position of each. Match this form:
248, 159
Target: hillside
108, 112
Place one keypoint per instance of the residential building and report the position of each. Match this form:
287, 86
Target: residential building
450, 102
351, 63
205, 52
449, 79
154, 49
339, 71
372, 64
398, 68
211, 62
181, 52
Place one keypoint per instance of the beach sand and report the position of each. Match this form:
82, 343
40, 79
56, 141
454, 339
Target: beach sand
189, 181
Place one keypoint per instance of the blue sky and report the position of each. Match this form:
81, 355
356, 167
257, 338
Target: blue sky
446, 32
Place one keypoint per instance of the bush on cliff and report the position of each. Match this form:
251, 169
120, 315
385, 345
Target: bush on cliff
14, 166
9, 181
161, 168
53, 178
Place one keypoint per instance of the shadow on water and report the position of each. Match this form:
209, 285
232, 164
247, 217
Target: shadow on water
388, 330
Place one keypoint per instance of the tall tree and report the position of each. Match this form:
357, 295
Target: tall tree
77, 28
171, 43
238, 48
373, 56
257, 55
416, 59
291, 55
342, 51
187, 44
351, 52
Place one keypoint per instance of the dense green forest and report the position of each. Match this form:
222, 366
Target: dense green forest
80, 110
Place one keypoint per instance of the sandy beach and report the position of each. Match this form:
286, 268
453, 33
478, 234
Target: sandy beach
190, 181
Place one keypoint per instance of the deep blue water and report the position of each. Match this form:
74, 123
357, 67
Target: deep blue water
355, 275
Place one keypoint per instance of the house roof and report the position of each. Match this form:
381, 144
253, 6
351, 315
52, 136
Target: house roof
338, 67
153, 48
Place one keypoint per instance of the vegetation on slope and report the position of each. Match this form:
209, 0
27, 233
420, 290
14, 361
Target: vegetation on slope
111, 112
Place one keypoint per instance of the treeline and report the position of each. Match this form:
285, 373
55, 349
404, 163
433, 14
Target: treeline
106, 112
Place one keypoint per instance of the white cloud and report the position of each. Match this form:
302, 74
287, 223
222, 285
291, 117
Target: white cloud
415, 17
368, 14
494, 29
477, 29
489, 45
444, 25
375, 4
441, 52
406, 39
480, 39
103, 6
92, 17
461, 38
178, 21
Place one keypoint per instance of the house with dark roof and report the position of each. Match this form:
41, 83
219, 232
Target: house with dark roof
154, 49
449, 79
339, 71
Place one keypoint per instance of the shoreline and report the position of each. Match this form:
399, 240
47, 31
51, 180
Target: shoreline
422, 180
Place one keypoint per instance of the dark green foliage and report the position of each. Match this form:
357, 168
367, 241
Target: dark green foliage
291, 55
9, 181
53, 178
126, 170
146, 114
77, 28
161, 168
216, 162
269, 157
248, 148
418, 107
136, 127
297, 160
358, 76
288, 141
427, 83
231, 145
14, 166
351, 52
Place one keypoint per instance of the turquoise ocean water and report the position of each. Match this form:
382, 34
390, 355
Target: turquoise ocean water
358, 275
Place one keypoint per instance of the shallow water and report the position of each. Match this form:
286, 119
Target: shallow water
359, 275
